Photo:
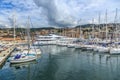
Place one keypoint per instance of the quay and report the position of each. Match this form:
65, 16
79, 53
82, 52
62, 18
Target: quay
5, 54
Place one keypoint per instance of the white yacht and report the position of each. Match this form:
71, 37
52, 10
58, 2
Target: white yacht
115, 48
103, 49
115, 51
71, 45
65, 41
96, 47
22, 59
47, 39
25, 54
78, 46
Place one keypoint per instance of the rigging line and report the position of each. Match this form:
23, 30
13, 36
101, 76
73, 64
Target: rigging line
33, 33
22, 33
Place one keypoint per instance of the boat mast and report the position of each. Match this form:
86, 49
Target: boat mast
60, 31
14, 24
115, 21
93, 31
99, 25
106, 25
80, 29
28, 34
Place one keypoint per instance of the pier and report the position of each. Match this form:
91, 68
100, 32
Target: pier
5, 54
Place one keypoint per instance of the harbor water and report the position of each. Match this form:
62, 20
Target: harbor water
62, 63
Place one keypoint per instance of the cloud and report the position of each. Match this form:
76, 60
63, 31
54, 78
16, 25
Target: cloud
60, 13
56, 14
22, 9
68, 12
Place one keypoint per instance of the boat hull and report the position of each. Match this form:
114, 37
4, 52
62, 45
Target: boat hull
114, 51
78, 47
22, 60
71, 45
102, 49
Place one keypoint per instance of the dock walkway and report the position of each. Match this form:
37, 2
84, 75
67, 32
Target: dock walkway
5, 54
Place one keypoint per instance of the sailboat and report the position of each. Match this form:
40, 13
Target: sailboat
79, 44
116, 48
96, 43
104, 47
23, 56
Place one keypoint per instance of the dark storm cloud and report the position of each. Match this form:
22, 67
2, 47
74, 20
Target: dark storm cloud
54, 15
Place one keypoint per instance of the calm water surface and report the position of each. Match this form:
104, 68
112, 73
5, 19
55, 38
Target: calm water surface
62, 63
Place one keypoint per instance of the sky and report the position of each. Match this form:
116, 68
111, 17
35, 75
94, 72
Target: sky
57, 13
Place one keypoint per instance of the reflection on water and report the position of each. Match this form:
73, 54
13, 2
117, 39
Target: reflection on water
62, 63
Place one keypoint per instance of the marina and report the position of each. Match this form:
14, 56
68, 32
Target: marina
59, 40
58, 57
58, 63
